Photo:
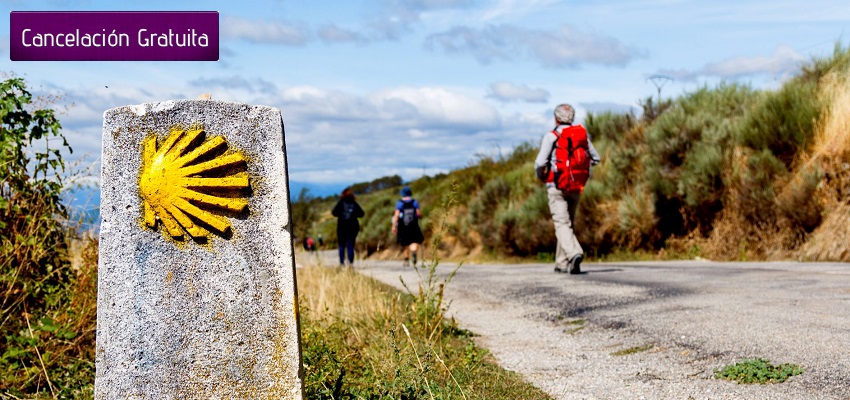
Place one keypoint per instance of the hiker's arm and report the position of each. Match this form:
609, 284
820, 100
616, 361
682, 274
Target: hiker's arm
594, 155
542, 162
395, 221
337, 209
358, 211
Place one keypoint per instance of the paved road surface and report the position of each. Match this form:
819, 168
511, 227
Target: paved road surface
692, 317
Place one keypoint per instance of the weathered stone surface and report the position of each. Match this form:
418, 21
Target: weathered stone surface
188, 319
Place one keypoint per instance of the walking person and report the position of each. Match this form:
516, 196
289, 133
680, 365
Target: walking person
563, 162
406, 224
347, 226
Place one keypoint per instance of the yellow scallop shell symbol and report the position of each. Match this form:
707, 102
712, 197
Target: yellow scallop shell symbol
177, 188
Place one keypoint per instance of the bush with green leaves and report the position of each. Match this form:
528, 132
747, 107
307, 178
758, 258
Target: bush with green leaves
758, 370
47, 314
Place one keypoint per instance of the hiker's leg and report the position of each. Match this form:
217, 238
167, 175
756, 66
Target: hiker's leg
413, 248
561, 209
560, 255
350, 245
572, 205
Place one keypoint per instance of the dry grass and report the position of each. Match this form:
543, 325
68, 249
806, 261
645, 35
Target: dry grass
340, 293
832, 134
831, 154
362, 339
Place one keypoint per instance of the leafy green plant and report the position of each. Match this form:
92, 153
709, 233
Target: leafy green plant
758, 370
47, 314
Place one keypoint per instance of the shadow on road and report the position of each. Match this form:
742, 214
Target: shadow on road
596, 271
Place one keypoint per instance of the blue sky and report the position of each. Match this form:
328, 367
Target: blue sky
375, 88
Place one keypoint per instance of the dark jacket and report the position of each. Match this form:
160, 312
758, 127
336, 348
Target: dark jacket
347, 211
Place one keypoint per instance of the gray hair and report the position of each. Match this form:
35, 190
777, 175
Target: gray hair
565, 114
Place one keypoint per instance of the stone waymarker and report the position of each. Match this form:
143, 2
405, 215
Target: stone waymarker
196, 287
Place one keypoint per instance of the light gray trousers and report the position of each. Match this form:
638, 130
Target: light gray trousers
563, 207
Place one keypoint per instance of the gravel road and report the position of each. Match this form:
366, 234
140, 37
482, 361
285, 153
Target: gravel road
685, 318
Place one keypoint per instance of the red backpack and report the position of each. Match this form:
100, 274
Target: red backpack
572, 161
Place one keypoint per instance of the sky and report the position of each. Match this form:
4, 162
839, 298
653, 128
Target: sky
419, 87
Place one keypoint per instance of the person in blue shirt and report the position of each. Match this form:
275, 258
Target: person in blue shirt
406, 224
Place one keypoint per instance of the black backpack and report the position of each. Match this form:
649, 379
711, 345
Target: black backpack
408, 213
347, 211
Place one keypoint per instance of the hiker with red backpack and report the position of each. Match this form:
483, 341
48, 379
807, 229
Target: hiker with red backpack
564, 161
347, 226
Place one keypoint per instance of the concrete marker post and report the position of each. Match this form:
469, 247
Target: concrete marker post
196, 275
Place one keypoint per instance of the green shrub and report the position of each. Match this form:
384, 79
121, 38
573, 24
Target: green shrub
758, 371
783, 122
527, 230
48, 310
755, 192
687, 152
484, 207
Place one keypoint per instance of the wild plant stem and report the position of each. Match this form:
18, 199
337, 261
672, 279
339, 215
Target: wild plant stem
421, 367
38, 353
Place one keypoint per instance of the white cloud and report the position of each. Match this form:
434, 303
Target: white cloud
255, 85
399, 16
507, 92
514, 8
603, 106
563, 48
270, 32
784, 60
335, 34
392, 131
440, 107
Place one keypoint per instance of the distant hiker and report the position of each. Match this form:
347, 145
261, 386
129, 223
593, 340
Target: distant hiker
321, 240
406, 224
564, 161
347, 226
309, 244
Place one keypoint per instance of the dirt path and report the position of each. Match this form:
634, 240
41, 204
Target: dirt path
681, 321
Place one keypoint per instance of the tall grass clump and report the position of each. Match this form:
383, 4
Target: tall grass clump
48, 308
830, 158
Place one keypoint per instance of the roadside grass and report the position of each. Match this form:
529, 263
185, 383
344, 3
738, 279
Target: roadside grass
363, 339
758, 370
633, 350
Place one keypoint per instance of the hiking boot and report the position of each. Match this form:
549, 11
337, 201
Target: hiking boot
575, 264
406, 263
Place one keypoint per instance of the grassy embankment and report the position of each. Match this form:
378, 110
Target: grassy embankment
724, 173
364, 340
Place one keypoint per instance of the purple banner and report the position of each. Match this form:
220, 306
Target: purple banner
114, 36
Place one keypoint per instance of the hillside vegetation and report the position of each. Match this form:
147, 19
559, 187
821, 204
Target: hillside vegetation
725, 172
